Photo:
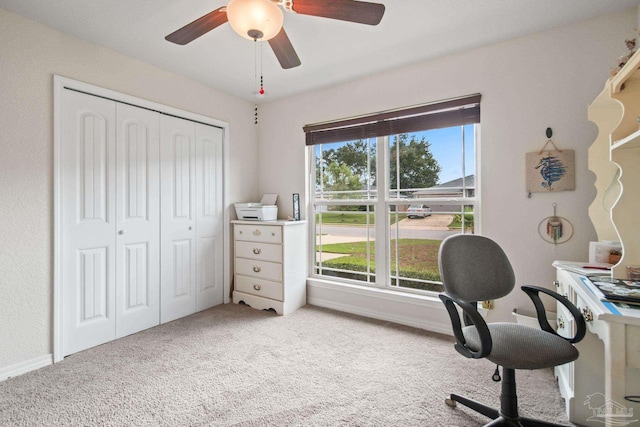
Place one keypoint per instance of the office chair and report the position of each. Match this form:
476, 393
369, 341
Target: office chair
474, 268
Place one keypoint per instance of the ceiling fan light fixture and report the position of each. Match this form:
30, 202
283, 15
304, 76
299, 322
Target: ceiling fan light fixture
255, 19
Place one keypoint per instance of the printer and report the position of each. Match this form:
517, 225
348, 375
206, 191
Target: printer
266, 210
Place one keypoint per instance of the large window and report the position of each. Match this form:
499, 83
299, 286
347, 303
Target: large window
388, 190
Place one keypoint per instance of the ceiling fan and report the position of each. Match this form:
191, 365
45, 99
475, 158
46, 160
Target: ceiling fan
262, 20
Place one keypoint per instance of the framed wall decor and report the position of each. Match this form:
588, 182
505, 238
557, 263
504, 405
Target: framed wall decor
296, 207
550, 171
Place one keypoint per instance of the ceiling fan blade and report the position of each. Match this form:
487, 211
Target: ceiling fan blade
200, 26
282, 47
345, 10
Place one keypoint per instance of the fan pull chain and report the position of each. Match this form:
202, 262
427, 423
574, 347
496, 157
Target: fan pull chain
255, 78
261, 91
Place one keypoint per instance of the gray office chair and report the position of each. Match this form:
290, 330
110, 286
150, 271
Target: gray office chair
474, 268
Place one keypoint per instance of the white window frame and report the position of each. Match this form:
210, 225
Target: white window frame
382, 205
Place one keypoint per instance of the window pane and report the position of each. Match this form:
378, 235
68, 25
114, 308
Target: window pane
345, 242
417, 231
434, 163
431, 177
345, 170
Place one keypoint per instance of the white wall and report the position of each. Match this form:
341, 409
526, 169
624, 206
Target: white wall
30, 54
527, 84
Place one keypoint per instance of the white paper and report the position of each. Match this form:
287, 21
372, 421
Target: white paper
269, 199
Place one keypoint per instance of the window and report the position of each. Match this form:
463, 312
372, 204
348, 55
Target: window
389, 188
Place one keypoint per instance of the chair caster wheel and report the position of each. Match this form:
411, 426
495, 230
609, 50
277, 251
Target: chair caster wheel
450, 402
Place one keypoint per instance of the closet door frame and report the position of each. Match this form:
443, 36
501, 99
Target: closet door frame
59, 85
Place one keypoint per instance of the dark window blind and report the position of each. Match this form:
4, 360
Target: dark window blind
452, 112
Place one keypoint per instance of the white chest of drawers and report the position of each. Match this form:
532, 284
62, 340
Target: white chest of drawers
270, 264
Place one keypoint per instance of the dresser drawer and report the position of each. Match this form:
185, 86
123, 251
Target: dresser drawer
258, 233
259, 251
260, 269
259, 287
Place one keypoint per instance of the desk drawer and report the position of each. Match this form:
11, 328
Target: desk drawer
260, 269
258, 233
259, 251
259, 287
566, 323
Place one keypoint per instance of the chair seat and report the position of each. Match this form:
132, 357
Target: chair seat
521, 347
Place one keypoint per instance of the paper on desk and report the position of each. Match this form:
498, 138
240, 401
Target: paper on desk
585, 268
269, 199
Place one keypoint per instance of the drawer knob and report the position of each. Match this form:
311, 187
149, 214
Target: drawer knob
257, 251
256, 269
556, 283
257, 287
587, 314
257, 232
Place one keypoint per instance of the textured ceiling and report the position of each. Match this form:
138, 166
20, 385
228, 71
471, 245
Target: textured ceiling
331, 51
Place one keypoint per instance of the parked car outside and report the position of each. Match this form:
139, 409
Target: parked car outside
418, 211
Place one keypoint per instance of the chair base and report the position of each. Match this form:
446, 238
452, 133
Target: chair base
507, 415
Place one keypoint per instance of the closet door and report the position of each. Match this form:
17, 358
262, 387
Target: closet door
88, 218
209, 216
177, 204
137, 219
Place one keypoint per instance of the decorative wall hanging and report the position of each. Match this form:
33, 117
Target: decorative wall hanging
550, 170
555, 229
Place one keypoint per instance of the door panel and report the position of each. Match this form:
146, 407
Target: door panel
141, 219
138, 219
209, 216
178, 256
88, 218
94, 293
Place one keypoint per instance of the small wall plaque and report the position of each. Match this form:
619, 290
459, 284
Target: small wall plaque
550, 171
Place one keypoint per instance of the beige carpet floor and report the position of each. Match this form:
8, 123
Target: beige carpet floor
235, 366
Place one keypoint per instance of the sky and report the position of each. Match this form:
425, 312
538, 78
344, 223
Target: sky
446, 147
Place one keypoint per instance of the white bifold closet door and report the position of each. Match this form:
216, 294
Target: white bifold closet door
141, 216
191, 171
110, 220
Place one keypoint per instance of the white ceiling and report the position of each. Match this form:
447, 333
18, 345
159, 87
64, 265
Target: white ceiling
331, 51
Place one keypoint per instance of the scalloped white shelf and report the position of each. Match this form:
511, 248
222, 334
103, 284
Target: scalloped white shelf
631, 141
617, 165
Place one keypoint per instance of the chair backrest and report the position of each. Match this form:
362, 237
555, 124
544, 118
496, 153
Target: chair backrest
474, 268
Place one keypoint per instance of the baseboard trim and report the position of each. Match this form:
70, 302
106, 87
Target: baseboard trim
418, 311
26, 366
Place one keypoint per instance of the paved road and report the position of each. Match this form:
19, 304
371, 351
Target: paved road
426, 228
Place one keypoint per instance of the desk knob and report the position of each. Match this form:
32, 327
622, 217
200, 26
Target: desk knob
587, 314
560, 322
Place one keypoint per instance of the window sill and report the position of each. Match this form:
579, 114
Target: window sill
420, 311
384, 293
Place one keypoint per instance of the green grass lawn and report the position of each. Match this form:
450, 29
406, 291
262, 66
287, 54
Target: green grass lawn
417, 259
353, 218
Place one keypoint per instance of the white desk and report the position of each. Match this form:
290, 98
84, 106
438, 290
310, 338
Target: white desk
608, 368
